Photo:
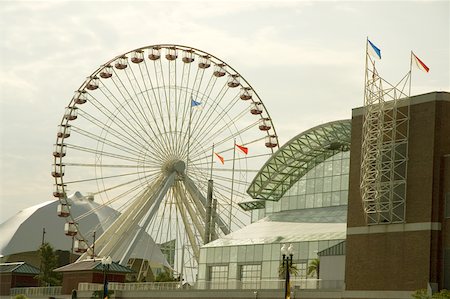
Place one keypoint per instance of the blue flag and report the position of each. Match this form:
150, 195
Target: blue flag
374, 51
195, 103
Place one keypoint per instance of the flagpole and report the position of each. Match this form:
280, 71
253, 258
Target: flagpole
212, 161
410, 73
366, 67
232, 185
189, 136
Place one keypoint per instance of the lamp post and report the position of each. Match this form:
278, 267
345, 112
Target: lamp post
287, 254
106, 262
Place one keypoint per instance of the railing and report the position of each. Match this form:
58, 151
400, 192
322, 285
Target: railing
302, 284
37, 291
131, 286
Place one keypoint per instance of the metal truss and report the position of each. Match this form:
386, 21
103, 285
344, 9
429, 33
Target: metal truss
297, 157
252, 205
384, 151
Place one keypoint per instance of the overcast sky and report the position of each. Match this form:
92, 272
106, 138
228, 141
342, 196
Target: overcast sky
304, 59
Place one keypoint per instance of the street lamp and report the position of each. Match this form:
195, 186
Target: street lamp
287, 253
106, 262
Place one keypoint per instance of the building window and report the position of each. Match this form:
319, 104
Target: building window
250, 276
218, 277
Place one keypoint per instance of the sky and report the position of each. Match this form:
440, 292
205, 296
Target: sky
305, 59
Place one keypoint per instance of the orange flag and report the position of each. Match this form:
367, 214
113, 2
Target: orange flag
242, 148
419, 63
222, 160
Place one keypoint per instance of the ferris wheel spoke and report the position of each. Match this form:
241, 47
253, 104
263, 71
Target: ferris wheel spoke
119, 107
137, 95
105, 165
182, 96
111, 201
172, 90
213, 131
98, 123
159, 77
185, 78
103, 178
103, 153
133, 115
203, 178
156, 98
144, 183
210, 110
243, 170
232, 218
141, 108
125, 126
209, 139
194, 90
103, 140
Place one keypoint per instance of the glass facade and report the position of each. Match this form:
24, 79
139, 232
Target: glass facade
325, 185
218, 275
250, 275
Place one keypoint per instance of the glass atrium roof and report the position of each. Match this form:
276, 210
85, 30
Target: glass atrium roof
328, 223
294, 159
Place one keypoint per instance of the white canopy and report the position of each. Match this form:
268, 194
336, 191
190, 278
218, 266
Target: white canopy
23, 231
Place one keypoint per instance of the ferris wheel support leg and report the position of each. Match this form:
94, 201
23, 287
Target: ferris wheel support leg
159, 197
116, 231
194, 216
196, 194
189, 232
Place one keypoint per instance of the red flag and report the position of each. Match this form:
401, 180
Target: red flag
242, 148
419, 63
222, 160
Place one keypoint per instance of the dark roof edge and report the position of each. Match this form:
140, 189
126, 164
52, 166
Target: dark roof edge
413, 100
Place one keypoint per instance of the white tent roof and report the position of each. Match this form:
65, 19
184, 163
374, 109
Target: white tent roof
23, 231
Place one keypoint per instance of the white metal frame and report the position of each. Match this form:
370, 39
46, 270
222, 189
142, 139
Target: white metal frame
384, 149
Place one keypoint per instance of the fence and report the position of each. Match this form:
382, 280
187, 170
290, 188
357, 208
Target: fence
131, 286
304, 284
37, 291
308, 284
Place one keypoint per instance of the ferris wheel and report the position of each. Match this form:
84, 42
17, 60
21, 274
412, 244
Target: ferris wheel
147, 134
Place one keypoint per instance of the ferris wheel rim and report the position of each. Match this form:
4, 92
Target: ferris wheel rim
83, 86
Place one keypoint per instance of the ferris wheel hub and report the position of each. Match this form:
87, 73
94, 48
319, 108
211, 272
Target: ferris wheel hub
173, 165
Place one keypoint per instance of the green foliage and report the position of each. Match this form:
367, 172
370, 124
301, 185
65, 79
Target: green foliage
165, 276
20, 296
443, 294
49, 262
313, 268
293, 270
423, 294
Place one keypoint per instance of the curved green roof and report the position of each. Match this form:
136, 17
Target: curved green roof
294, 159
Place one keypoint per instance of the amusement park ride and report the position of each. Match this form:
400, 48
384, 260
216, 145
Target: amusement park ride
142, 135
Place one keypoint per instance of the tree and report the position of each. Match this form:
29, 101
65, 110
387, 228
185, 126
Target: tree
313, 268
49, 262
293, 270
165, 276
